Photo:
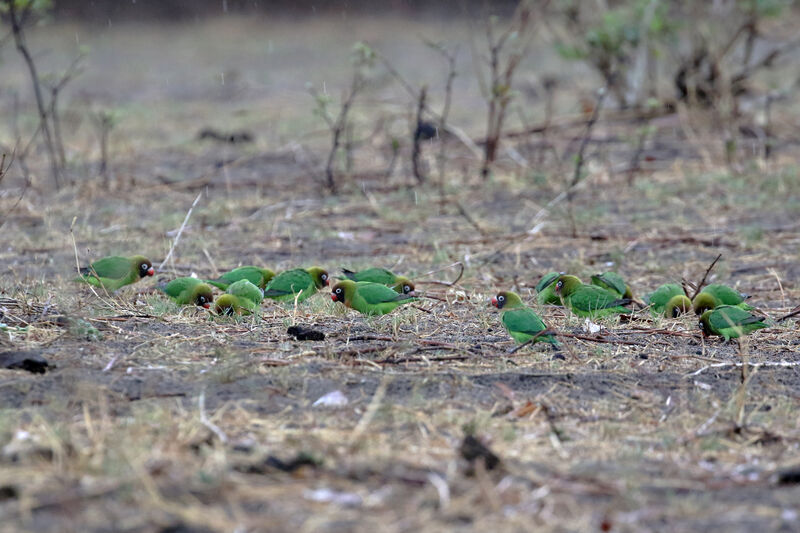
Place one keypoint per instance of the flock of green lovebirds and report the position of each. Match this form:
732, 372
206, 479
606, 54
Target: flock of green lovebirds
377, 291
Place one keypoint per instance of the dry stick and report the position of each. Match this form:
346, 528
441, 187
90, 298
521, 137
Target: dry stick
781, 364
464, 213
794, 312
180, 231
19, 39
498, 93
580, 158
703, 281
445, 283
337, 127
531, 340
457, 132
441, 158
416, 150
201, 403
55, 90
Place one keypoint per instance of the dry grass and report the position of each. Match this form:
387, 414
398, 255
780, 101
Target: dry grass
156, 416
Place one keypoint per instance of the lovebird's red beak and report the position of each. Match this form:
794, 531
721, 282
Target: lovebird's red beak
206, 305
151, 271
333, 297
494, 301
327, 282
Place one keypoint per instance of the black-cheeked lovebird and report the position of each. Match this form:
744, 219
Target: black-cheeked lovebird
369, 298
521, 322
114, 272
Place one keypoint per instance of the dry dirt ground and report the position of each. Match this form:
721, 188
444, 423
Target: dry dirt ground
155, 418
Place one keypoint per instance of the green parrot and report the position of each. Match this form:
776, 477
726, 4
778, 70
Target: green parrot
230, 304
716, 294
369, 298
677, 305
730, 322
298, 283
188, 291
244, 289
383, 276
545, 289
658, 299
613, 283
589, 300
520, 321
255, 275
114, 272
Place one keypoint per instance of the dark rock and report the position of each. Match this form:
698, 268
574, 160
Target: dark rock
472, 449
24, 360
303, 333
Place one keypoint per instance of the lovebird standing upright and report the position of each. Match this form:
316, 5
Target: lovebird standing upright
658, 299
589, 300
114, 272
546, 289
521, 322
369, 298
188, 291
383, 276
298, 283
730, 322
613, 283
242, 297
256, 275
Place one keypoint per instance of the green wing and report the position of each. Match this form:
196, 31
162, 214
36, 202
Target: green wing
114, 267
247, 290
373, 275
546, 281
592, 300
724, 294
375, 293
376, 299
727, 317
522, 324
255, 275
658, 299
177, 286
285, 285
610, 281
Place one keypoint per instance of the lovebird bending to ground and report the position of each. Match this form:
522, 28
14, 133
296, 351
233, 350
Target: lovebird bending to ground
589, 300
114, 272
242, 297
545, 289
613, 283
677, 305
369, 298
383, 276
188, 291
730, 322
521, 322
255, 275
658, 299
296, 283
717, 294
